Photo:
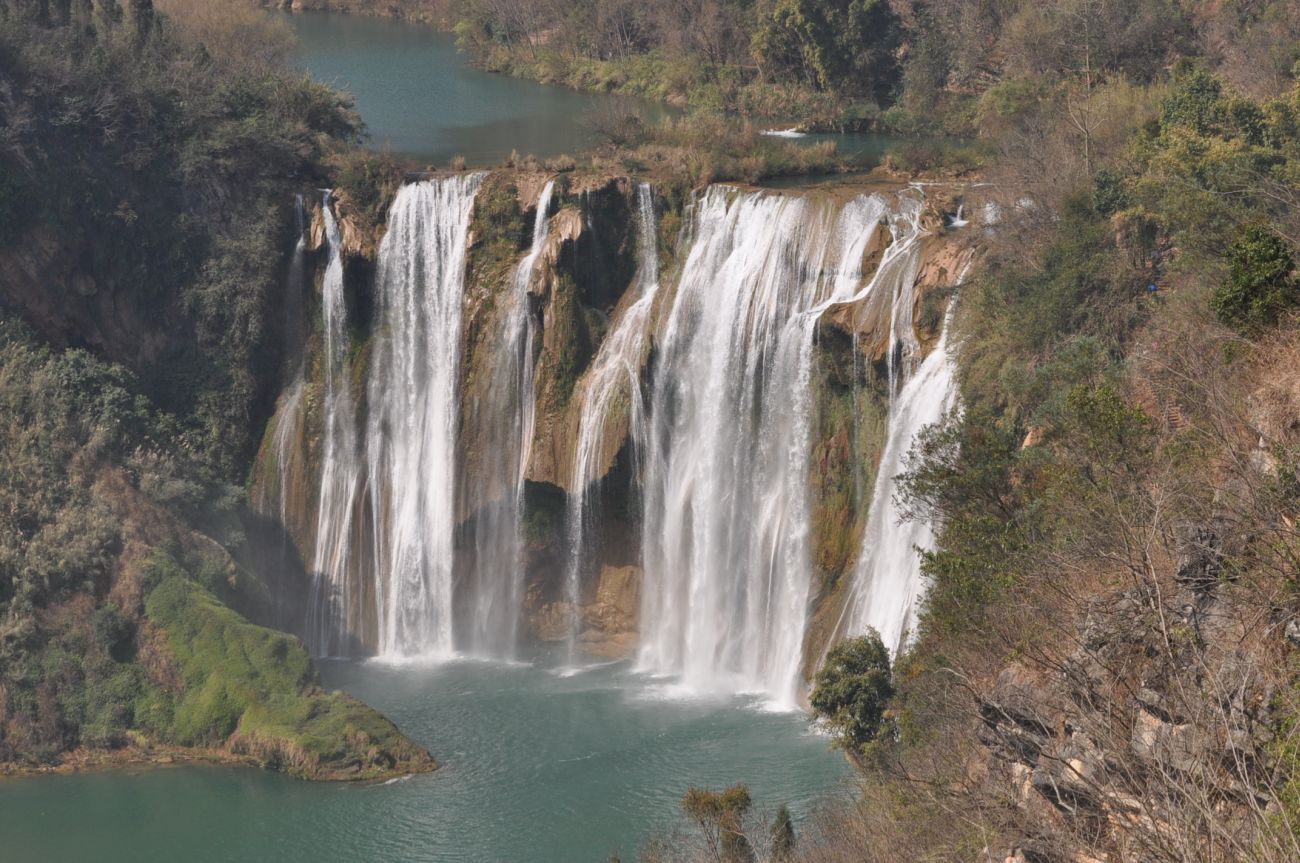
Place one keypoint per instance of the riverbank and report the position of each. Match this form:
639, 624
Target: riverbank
140, 753
427, 105
435, 12
143, 753
734, 80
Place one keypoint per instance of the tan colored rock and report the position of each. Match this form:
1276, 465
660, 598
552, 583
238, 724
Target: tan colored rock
618, 595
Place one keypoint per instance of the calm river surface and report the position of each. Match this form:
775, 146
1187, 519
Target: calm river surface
537, 767
420, 97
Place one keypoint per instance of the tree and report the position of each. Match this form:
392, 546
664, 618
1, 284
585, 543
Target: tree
844, 45
142, 18
782, 835
719, 814
853, 690
1259, 285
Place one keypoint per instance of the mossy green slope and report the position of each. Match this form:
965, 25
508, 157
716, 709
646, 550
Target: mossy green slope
255, 692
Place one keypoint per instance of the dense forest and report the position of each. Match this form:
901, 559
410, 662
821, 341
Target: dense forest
1106, 663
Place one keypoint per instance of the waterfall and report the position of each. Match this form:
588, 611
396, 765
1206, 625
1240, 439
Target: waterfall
496, 586
273, 499
887, 579
720, 417
727, 509
613, 383
328, 611
413, 414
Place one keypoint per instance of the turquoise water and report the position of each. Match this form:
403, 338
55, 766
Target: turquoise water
421, 98
537, 767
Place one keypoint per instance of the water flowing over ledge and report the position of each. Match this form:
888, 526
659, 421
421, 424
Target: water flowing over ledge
887, 581
411, 436
700, 399
727, 515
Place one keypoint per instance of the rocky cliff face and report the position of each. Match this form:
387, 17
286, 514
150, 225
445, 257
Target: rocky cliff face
1157, 726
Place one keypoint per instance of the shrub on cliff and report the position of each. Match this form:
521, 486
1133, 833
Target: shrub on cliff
852, 690
1260, 284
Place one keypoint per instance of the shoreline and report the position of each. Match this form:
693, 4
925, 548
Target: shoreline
134, 756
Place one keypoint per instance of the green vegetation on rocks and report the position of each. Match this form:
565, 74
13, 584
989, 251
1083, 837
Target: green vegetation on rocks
148, 184
853, 689
255, 691
1260, 284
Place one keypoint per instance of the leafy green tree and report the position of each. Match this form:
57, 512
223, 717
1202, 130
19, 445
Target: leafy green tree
853, 690
1260, 283
845, 45
1108, 193
1195, 103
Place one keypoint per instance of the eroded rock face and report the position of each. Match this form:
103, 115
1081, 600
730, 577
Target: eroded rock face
1163, 691
608, 620
44, 277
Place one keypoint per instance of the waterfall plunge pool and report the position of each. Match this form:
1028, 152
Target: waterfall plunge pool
538, 765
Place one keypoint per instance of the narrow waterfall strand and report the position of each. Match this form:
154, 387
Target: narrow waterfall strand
887, 580
329, 612
496, 585
614, 382
273, 498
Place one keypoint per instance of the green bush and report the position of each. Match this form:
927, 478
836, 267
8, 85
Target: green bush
1260, 284
852, 690
1108, 193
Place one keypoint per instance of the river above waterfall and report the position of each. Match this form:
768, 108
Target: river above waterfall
420, 97
537, 766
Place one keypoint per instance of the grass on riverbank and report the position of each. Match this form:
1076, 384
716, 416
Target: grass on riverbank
255, 691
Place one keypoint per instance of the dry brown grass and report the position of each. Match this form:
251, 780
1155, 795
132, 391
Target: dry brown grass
236, 32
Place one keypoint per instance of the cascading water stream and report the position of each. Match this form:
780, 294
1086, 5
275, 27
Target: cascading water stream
722, 442
727, 514
413, 414
496, 586
613, 383
273, 497
328, 612
887, 580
